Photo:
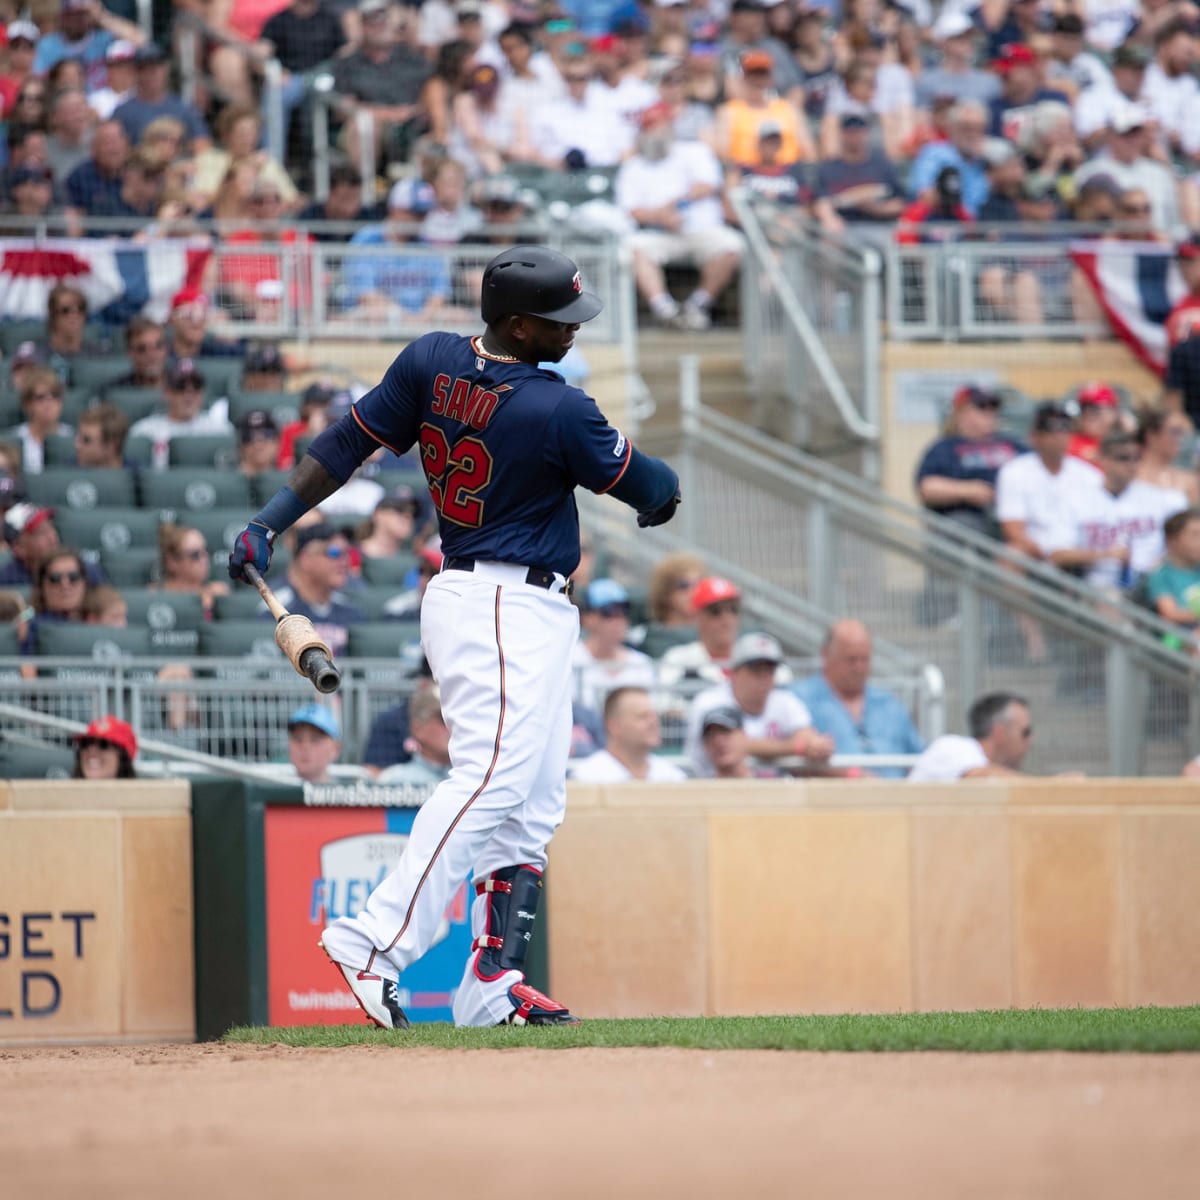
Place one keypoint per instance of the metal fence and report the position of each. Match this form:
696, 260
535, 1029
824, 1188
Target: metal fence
1109, 693
811, 327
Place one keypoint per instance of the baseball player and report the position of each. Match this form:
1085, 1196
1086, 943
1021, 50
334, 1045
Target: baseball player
503, 444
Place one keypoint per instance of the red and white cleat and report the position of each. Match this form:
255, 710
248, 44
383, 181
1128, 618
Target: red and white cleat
532, 1008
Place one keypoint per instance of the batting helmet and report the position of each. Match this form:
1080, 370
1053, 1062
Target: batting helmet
538, 282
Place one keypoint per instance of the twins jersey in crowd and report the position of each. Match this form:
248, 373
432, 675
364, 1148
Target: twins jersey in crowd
1046, 502
498, 433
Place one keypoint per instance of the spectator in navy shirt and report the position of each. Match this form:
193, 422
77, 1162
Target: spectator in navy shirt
957, 476
152, 99
94, 187
860, 184
770, 179
1020, 90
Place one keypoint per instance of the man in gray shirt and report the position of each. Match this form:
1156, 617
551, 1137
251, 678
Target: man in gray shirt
957, 74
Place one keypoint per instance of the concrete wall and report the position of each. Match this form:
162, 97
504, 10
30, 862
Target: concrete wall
777, 897
95, 911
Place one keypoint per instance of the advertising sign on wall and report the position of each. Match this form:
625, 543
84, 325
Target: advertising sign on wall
322, 864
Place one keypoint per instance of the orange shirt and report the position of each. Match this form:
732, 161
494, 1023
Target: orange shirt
745, 122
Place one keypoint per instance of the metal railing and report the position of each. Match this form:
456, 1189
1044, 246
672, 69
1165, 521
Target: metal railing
810, 325
1110, 693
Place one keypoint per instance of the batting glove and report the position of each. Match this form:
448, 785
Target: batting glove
253, 547
659, 516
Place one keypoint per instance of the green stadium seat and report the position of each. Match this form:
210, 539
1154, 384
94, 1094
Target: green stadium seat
283, 406
173, 618
242, 604
59, 449
10, 644
218, 450
97, 372
220, 526
372, 600
133, 567
23, 329
266, 483
112, 530
76, 401
18, 761
187, 490
103, 643
136, 402
383, 639
221, 375
10, 410
660, 638
82, 487
139, 451
390, 572
252, 639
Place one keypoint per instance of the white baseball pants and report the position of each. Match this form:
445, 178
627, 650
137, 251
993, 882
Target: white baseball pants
500, 650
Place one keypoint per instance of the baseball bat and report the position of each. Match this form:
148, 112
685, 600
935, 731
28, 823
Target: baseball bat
297, 638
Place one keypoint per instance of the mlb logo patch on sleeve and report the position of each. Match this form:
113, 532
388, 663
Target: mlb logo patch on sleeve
619, 448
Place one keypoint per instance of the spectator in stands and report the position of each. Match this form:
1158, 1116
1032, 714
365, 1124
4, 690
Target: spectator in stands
578, 130
32, 538
118, 86
406, 606
394, 283
1000, 736
1170, 85
318, 572
100, 436
1020, 90
146, 349
690, 120
27, 357
184, 414
70, 142
1160, 433
314, 742
1072, 66
184, 565
859, 717
105, 750
450, 217
673, 579
30, 109
143, 182
85, 31
633, 734
104, 605
428, 743
747, 34
1126, 161
31, 194
383, 78
453, 63
1095, 107
1036, 492
769, 179
1099, 409
777, 724
968, 126
716, 605
1182, 392
152, 98
66, 328
672, 191
344, 203
957, 475
42, 407
94, 187
263, 368
725, 745
937, 212
239, 130
188, 328
1174, 586
601, 660
316, 402
857, 185
23, 37
486, 132
392, 525
60, 585
758, 103
26, 146
163, 140
955, 73
1118, 529
258, 442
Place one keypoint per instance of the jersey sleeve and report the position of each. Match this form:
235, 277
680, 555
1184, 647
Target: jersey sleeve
593, 453
390, 411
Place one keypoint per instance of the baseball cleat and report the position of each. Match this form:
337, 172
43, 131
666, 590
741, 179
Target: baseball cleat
378, 997
532, 1008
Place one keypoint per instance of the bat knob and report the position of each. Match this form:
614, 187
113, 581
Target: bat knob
325, 676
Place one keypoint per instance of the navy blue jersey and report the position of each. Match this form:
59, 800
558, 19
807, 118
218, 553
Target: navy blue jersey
503, 445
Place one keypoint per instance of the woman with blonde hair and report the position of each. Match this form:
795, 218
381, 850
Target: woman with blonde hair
184, 565
671, 584
41, 405
238, 129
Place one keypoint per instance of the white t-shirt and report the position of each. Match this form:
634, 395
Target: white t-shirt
1167, 98
1027, 491
1110, 21
595, 678
947, 758
588, 127
691, 661
642, 183
1134, 519
356, 495
160, 429
601, 767
783, 714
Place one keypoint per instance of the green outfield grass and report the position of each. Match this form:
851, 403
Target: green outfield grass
1140, 1030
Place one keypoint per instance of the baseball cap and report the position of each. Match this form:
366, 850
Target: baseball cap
726, 716
23, 518
712, 590
181, 371
1069, 23
1099, 394
369, 8
1051, 417
500, 189
187, 296
1128, 54
120, 51
318, 717
401, 498
23, 31
318, 393
601, 593
411, 195
26, 354
257, 423
149, 54
485, 78
1188, 248
264, 356
115, 732
951, 25
756, 60
606, 43
755, 647
320, 532
977, 396
769, 129
1127, 117
850, 120
1013, 54
468, 10
656, 114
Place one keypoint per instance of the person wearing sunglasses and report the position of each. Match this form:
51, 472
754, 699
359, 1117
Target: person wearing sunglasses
105, 750
66, 329
316, 579
60, 586
184, 565
1161, 434
42, 406
184, 415
601, 660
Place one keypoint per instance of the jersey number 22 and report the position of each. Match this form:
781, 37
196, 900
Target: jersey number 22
456, 475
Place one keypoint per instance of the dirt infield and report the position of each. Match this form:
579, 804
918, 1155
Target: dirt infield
210, 1121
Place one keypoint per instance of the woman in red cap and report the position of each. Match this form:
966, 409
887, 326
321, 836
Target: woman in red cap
105, 750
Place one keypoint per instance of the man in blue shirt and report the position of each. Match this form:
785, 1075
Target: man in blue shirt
85, 31
151, 100
860, 718
964, 150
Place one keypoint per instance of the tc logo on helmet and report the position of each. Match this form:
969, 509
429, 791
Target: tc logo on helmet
577, 283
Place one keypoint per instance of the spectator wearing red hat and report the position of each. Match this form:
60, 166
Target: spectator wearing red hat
672, 191
105, 750
619, 81
717, 605
32, 538
1020, 89
188, 328
1098, 412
